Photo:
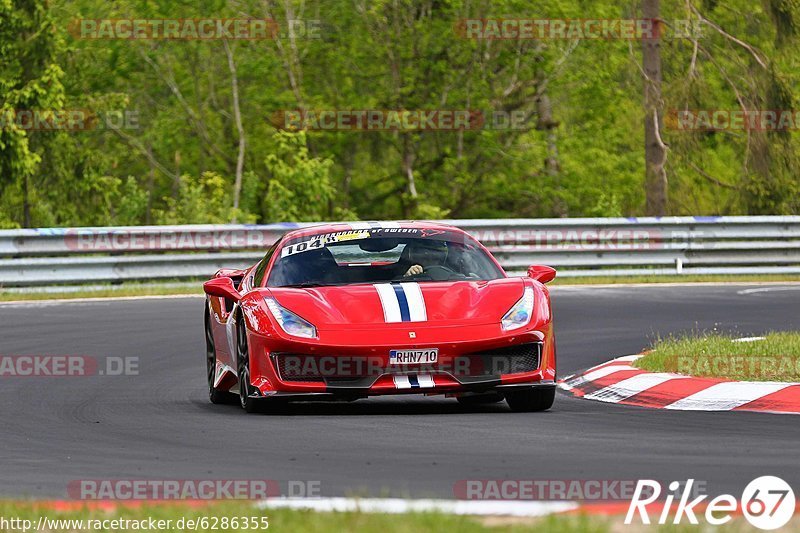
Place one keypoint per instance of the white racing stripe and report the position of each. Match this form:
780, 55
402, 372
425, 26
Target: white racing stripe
402, 302
400, 506
727, 396
416, 303
391, 307
402, 382
631, 387
425, 381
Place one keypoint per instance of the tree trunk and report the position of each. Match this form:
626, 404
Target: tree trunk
655, 151
151, 183
237, 114
408, 172
176, 178
547, 124
26, 202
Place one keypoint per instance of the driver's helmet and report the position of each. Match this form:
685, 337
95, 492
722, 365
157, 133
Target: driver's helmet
427, 252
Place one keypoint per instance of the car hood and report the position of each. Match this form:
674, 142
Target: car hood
398, 304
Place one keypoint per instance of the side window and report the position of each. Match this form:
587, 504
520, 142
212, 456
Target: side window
258, 278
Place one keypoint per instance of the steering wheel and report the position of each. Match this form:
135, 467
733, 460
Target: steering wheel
439, 272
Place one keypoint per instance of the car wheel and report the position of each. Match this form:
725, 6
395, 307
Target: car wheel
214, 395
480, 399
532, 399
251, 405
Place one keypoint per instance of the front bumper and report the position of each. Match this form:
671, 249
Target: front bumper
354, 394
484, 362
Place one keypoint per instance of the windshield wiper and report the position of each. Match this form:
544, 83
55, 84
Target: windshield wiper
304, 285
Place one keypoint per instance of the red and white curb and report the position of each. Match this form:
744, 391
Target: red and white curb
619, 382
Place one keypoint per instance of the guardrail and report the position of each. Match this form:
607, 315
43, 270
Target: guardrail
576, 247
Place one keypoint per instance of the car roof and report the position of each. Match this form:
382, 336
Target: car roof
322, 229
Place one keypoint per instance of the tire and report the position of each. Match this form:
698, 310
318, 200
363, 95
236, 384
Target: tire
480, 399
532, 399
250, 405
215, 395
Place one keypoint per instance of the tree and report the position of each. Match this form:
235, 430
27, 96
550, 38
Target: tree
655, 151
30, 82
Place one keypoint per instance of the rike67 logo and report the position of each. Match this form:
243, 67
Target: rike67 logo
767, 502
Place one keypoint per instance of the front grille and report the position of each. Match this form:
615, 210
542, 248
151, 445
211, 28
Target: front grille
322, 368
510, 360
354, 369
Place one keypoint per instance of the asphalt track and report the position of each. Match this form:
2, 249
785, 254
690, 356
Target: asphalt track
159, 424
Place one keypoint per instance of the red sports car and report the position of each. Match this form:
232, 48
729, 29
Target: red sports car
346, 311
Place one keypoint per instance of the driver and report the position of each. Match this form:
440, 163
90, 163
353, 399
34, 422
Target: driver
425, 254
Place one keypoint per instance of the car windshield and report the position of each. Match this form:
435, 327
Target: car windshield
381, 255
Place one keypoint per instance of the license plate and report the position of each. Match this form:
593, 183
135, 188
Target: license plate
414, 357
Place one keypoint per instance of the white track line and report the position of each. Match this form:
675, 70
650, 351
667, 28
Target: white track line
727, 396
398, 506
769, 289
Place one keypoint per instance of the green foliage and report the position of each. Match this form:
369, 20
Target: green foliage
177, 161
203, 200
129, 202
299, 187
30, 79
430, 212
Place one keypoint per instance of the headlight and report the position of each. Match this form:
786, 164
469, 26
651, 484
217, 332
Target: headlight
520, 314
290, 322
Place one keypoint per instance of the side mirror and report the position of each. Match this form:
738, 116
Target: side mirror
222, 288
542, 273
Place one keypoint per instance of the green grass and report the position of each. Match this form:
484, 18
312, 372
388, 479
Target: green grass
307, 521
298, 521
134, 289
110, 292
776, 358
